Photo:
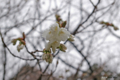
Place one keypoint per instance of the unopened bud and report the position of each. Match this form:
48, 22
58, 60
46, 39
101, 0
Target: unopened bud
116, 28
14, 41
102, 22
19, 47
63, 24
71, 38
58, 18
47, 57
63, 47
22, 42
23, 35
50, 58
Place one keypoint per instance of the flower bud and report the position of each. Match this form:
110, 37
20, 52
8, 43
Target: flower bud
58, 18
71, 38
50, 58
63, 47
47, 56
63, 24
21, 42
14, 41
19, 47
23, 35
116, 28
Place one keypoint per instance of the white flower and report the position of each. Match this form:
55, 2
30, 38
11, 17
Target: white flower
52, 33
48, 46
56, 34
54, 29
63, 34
53, 45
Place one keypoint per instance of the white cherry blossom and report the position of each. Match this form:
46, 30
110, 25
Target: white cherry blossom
53, 45
63, 34
55, 35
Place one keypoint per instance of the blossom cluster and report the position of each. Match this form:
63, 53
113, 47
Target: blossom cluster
55, 34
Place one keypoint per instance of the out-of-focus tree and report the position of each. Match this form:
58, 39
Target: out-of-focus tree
94, 24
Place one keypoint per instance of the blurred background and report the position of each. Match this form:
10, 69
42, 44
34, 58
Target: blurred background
95, 53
